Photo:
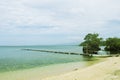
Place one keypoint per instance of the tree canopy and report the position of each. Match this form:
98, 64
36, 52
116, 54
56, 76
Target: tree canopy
113, 44
91, 43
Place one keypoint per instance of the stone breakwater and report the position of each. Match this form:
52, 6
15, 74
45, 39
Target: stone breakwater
59, 52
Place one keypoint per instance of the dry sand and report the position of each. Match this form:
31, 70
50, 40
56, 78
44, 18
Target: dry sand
107, 70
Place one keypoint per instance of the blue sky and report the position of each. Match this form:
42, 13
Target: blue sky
50, 22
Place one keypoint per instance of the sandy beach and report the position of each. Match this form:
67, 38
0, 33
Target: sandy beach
107, 70
39, 73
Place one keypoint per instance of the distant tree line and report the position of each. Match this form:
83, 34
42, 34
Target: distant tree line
92, 43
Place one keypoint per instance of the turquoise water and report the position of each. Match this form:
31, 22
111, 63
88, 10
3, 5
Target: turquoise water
14, 58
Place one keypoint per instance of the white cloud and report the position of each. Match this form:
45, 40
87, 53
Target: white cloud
62, 17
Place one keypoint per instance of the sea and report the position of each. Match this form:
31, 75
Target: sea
15, 57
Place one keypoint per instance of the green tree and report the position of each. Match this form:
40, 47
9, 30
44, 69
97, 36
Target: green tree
113, 44
91, 43
102, 43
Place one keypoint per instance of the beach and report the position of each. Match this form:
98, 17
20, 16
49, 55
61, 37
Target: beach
106, 70
43, 72
39, 73
17, 64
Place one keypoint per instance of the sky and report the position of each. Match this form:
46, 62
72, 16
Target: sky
52, 22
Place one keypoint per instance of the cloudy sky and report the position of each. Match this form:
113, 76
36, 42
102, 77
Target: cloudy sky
49, 22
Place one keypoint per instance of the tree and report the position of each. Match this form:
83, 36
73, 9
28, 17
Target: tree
102, 43
113, 44
91, 43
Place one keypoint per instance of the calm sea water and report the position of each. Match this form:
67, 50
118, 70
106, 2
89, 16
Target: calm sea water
14, 58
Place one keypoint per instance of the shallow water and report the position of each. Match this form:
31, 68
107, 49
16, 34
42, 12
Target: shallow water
14, 58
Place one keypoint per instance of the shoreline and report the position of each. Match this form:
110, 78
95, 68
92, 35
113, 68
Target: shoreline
106, 70
44, 72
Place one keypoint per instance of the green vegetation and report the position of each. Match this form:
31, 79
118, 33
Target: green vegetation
102, 43
92, 42
113, 44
